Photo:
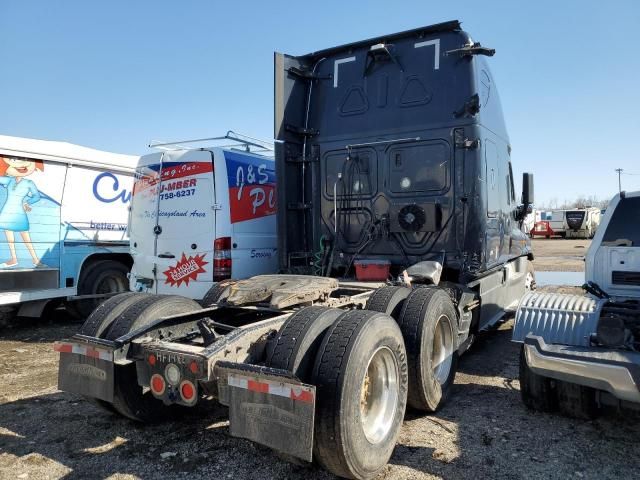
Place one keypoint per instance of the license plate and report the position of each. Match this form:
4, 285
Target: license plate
86, 370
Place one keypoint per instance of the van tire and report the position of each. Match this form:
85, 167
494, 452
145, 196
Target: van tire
428, 319
215, 293
129, 399
295, 346
388, 300
102, 276
537, 392
98, 324
342, 443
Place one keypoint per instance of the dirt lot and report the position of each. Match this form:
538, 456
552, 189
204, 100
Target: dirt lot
483, 432
559, 255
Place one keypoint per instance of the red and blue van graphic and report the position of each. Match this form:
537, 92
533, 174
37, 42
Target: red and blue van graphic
252, 186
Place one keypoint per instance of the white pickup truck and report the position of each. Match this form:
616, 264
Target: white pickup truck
580, 353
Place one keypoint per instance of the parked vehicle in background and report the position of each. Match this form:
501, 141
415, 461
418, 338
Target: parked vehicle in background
63, 216
203, 215
582, 352
581, 222
530, 221
393, 167
550, 224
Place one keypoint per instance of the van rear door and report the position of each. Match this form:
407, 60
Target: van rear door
173, 225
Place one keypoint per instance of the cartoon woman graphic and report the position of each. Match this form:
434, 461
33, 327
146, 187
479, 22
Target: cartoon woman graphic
21, 194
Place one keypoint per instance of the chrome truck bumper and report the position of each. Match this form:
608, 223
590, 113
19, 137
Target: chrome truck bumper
614, 371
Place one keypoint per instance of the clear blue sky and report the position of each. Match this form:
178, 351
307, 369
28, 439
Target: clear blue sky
116, 74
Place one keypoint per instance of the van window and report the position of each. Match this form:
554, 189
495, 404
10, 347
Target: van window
625, 224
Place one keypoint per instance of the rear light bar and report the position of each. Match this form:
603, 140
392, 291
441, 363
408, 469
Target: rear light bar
221, 259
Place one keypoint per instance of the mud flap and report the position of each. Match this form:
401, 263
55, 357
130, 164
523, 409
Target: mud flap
86, 369
268, 406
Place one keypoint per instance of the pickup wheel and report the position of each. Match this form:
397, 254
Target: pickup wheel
388, 300
99, 322
428, 322
103, 276
577, 401
295, 346
130, 399
537, 392
215, 293
360, 374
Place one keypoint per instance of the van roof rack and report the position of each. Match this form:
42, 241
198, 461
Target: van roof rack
239, 141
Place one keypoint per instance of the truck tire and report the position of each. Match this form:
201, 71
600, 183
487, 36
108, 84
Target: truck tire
388, 300
428, 322
530, 277
295, 346
360, 374
537, 392
99, 322
130, 400
102, 317
103, 276
215, 293
576, 401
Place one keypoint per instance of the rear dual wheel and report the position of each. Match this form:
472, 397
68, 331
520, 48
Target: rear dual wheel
357, 362
360, 374
429, 325
118, 316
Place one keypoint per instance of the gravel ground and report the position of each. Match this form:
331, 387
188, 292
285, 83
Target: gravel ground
484, 431
559, 254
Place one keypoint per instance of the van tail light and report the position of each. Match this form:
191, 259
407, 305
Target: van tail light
221, 259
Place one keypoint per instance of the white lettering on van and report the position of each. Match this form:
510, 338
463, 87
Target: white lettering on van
249, 178
258, 197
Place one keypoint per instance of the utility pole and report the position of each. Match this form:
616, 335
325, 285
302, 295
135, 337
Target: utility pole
619, 170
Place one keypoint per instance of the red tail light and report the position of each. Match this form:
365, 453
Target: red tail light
221, 258
188, 391
158, 385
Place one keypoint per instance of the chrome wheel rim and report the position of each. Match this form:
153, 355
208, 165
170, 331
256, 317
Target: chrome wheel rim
379, 395
442, 351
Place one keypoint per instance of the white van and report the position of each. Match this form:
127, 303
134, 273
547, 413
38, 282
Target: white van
63, 224
199, 216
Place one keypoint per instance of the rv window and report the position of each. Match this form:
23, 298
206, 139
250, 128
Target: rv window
624, 226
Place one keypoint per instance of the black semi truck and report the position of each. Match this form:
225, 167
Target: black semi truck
390, 151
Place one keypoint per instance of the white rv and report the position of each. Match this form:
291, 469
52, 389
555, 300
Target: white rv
63, 222
582, 222
200, 216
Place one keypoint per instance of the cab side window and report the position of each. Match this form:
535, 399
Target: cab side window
492, 177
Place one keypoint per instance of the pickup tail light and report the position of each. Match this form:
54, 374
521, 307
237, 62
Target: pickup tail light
221, 259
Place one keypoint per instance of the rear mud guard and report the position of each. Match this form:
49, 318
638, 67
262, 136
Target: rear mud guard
268, 406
